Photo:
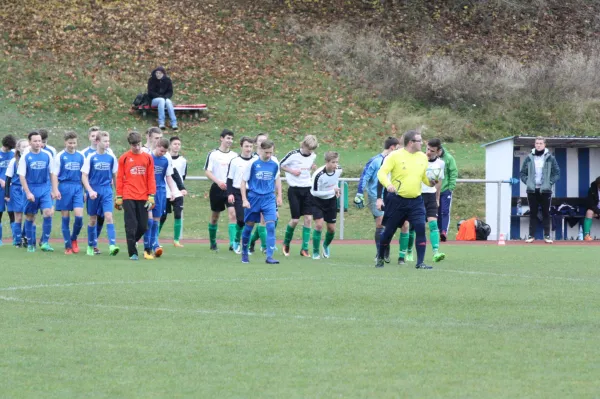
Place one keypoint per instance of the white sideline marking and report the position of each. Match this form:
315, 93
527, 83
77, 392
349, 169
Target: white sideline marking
247, 314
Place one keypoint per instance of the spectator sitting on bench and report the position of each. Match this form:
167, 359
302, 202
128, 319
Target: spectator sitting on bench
593, 208
160, 91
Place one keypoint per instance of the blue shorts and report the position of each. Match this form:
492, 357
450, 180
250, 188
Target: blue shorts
71, 194
265, 204
160, 202
17, 199
2, 203
43, 200
102, 204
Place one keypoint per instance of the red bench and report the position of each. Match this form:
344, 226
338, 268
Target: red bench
194, 109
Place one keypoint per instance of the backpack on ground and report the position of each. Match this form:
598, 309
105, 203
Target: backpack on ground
482, 230
141, 99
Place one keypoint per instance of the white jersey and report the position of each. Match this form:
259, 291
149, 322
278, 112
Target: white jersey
237, 166
295, 159
180, 164
324, 184
11, 168
51, 149
146, 150
435, 171
217, 162
176, 193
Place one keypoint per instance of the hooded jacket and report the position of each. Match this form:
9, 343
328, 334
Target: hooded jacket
160, 88
592, 198
450, 172
550, 172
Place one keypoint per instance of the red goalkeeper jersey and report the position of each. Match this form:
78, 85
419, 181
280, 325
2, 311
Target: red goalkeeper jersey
135, 177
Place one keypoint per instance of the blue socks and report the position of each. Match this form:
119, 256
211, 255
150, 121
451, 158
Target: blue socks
148, 235
65, 231
112, 235
154, 234
46, 229
77, 227
270, 239
246, 233
92, 239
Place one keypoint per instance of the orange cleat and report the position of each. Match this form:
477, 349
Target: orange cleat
158, 253
75, 246
68, 251
588, 238
304, 253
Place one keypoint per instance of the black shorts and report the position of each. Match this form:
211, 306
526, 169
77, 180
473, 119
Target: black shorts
238, 205
300, 201
177, 202
218, 199
431, 206
324, 209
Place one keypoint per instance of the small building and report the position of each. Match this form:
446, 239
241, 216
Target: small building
579, 162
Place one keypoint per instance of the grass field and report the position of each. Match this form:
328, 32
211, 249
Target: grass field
489, 321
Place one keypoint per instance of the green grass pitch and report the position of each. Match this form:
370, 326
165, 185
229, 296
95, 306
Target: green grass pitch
489, 321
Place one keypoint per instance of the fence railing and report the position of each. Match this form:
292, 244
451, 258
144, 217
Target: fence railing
356, 179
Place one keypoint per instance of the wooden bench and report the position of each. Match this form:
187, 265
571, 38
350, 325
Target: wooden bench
194, 109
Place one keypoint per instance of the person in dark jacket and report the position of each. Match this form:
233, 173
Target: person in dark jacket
160, 91
539, 173
593, 208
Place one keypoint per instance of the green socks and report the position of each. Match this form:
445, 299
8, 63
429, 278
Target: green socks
212, 234
177, 230
411, 240
403, 245
289, 234
328, 238
316, 241
587, 226
232, 228
262, 233
238, 233
306, 237
434, 236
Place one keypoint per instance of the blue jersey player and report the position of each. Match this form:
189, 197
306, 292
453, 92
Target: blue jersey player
6, 154
260, 181
163, 172
68, 191
34, 173
14, 195
97, 174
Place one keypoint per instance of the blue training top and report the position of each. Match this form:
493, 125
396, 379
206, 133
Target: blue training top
35, 168
368, 178
5, 158
261, 176
67, 167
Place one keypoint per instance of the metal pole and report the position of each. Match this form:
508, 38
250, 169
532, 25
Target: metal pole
498, 218
342, 210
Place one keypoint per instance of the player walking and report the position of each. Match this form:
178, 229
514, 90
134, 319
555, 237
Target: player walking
259, 182
67, 189
175, 206
325, 192
34, 173
14, 195
6, 155
297, 165
97, 174
217, 164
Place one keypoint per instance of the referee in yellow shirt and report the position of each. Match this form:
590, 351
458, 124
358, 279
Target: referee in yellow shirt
407, 168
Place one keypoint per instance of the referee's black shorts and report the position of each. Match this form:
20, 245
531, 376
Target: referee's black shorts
218, 199
431, 206
300, 201
399, 209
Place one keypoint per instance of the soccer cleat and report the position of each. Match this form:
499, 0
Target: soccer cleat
529, 239
47, 248
231, 248
548, 240
439, 257
379, 262
386, 255
263, 250
75, 246
326, 253
90, 251
177, 244
588, 238
158, 252
410, 257
214, 248
423, 266
31, 248
304, 253
251, 249
97, 251
401, 261
113, 250
19, 245
148, 256
272, 261
316, 256
286, 250
237, 248
68, 251
245, 258
134, 257
24, 243
443, 236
